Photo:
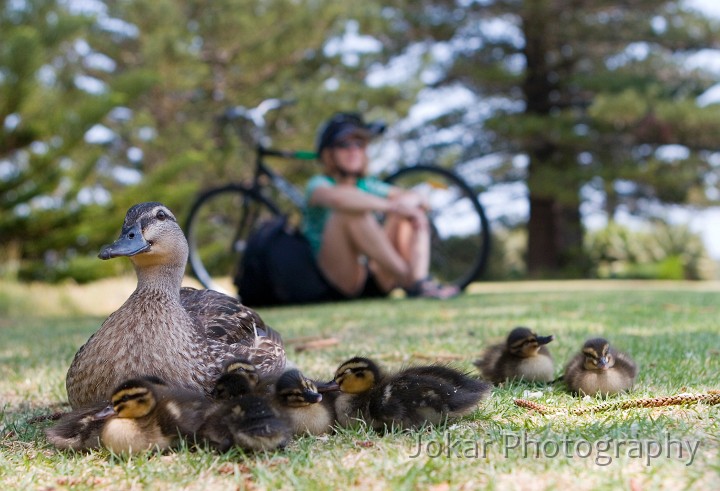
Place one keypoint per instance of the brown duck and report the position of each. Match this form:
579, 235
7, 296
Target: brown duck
180, 335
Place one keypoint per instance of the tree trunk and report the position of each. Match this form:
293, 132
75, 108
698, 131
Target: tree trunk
555, 231
541, 245
554, 228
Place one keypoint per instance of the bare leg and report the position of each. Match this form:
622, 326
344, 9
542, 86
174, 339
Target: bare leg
349, 236
412, 241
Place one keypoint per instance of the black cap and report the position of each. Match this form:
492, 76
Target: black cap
342, 125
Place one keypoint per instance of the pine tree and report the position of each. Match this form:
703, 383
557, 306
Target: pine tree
51, 94
591, 92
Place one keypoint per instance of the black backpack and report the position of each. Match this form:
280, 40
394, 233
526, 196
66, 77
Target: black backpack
279, 268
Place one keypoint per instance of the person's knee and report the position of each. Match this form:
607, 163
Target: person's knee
422, 222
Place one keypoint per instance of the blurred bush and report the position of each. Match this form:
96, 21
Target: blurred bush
81, 269
667, 252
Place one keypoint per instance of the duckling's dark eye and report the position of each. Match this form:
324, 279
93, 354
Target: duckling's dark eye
161, 215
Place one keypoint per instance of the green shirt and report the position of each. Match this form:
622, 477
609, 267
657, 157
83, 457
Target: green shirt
315, 217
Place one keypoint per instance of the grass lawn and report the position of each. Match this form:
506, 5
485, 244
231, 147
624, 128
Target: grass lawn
671, 329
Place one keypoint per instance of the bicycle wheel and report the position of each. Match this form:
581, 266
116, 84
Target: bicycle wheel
217, 230
460, 242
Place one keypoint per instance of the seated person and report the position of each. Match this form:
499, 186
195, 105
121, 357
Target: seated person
358, 255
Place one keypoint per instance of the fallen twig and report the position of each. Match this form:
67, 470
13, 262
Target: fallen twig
316, 344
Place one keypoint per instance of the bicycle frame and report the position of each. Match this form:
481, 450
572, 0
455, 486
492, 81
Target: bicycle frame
277, 180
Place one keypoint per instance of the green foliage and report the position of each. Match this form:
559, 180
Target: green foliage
590, 94
507, 260
667, 252
168, 72
564, 90
46, 114
81, 269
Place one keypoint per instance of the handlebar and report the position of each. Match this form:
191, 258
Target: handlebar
255, 115
255, 132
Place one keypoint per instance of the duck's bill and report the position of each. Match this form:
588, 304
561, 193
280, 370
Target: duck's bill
312, 397
104, 413
131, 242
331, 386
544, 339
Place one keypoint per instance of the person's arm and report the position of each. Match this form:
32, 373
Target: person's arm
349, 198
352, 199
408, 198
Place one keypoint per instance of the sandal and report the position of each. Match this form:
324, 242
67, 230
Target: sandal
429, 288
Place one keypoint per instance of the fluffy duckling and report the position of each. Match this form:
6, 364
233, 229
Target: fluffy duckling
307, 410
524, 355
145, 414
78, 430
241, 417
408, 399
239, 378
181, 335
600, 370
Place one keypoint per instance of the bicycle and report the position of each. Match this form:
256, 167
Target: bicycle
222, 218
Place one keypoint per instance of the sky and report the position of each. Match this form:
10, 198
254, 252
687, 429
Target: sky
710, 7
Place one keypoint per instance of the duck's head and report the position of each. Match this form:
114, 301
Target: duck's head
134, 398
239, 377
150, 235
598, 354
357, 375
525, 343
295, 390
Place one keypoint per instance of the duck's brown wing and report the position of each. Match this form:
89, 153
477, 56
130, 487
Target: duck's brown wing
232, 329
223, 317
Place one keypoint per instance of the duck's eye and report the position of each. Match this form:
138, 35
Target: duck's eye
161, 215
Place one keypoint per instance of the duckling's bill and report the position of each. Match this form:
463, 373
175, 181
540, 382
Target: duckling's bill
544, 339
331, 386
104, 413
312, 397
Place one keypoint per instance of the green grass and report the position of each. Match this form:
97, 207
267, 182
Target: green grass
671, 329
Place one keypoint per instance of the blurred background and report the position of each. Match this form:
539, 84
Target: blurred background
590, 129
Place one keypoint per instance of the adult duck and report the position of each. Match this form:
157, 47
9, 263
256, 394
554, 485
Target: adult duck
181, 335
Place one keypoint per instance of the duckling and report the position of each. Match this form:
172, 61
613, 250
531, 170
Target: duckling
409, 399
181, 335
145, 414
524, 355
307, 410
78, 430
239, 378
240, 416
600, 370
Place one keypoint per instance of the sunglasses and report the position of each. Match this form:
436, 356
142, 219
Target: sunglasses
348, 144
